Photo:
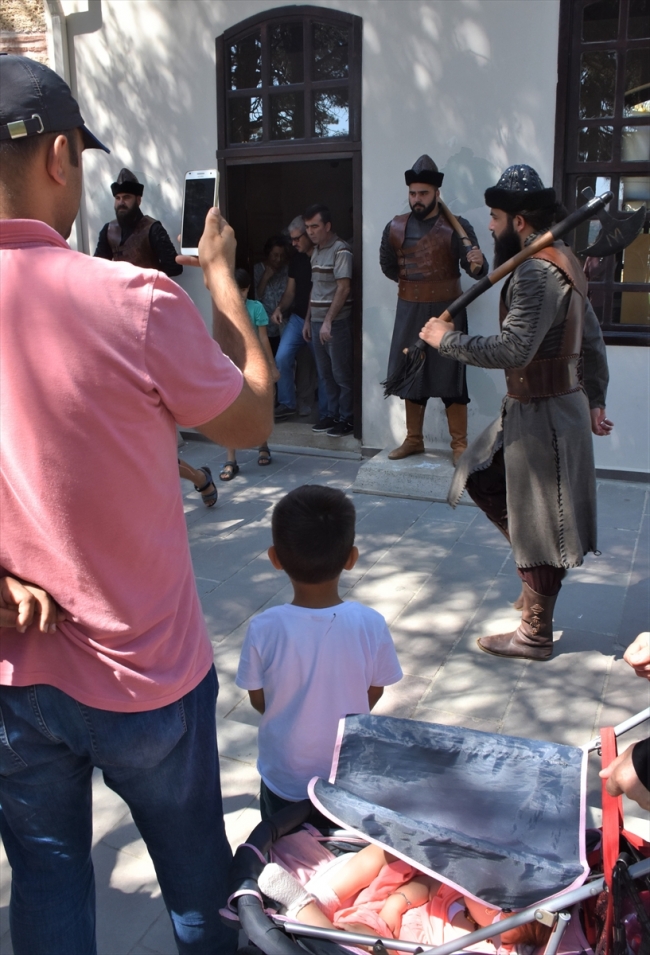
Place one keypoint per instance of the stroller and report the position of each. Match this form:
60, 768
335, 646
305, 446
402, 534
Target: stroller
501, 819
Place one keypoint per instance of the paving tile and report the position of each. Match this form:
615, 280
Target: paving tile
130, 900
434, 714
158, 939
474, 684
388, 594
443, 512
482, 533
618, 547
110, 812
559, 699
244, 713
586, 604
240, 786
239, 829
620, 505
238, 741
402, 699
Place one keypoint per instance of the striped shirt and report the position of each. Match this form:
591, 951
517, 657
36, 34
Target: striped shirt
327, 266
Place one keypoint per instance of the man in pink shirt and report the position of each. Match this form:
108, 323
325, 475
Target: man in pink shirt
99, 362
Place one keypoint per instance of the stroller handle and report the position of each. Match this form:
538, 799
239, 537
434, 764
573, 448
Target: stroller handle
623, 727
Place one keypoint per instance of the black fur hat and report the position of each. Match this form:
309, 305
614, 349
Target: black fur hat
519, 189
424, 170
127, 182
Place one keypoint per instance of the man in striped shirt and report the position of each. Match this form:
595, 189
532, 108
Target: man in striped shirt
331, 319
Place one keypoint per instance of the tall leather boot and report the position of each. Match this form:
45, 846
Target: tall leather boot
414, 441
457, 424
533, 638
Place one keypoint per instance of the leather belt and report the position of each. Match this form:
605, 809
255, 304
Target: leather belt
544, 378
444, 291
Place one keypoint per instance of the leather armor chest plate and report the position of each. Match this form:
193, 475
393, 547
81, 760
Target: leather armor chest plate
137, 248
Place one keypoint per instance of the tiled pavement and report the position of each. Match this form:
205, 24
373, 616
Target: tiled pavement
441, 578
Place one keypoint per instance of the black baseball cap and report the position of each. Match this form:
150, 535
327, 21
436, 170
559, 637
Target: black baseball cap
34, 99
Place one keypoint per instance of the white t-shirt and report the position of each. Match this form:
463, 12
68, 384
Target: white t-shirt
315, 666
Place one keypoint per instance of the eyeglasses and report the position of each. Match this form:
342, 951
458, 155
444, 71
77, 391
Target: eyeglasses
297, 238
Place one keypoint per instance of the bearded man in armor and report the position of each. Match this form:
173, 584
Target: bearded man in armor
422, 253
532, 470
132, 236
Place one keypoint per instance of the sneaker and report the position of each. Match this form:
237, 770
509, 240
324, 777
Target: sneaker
340, 429
324, 424
281, 412
304, 411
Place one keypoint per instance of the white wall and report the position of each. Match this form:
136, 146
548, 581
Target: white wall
471, 82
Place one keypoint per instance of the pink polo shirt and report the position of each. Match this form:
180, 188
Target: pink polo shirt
98, 360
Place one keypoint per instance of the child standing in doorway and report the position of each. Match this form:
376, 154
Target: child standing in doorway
260, 321
309, 663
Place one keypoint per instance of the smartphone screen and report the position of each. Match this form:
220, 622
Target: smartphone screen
199, 198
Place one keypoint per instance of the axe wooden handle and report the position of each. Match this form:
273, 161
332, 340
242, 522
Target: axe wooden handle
457, 227
581, 215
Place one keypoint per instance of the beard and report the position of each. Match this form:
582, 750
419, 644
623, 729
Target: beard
125, 216
421, 211
506, 245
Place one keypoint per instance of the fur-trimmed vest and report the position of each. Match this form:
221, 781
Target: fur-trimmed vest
137, 248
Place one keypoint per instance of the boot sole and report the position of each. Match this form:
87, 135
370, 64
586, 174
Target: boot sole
512, 656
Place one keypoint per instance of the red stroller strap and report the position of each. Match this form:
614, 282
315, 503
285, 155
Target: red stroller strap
612, 808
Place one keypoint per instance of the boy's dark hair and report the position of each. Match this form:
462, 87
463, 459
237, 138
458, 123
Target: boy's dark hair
318, 209
242, 278
313, 532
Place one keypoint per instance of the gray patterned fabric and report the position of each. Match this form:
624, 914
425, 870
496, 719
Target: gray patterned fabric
496, 816
550, 477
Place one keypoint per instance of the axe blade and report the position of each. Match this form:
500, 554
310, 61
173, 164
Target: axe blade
616, 234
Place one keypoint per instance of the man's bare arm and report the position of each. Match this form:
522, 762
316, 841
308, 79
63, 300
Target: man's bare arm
285, 302
248, 421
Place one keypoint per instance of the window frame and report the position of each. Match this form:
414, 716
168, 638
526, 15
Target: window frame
567, 168
305, 15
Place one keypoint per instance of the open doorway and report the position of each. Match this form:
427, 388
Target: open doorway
261, 200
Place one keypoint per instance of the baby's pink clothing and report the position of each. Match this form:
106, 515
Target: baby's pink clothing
98, 361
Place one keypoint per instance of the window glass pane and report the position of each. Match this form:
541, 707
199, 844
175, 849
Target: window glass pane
587, 232
633, 192
638, 23
288, 116
597, 84
637, 83
330, 52
287, 56
245, 119
595, 144
600, 21
635, 144
632, 308
245, 62
331, 113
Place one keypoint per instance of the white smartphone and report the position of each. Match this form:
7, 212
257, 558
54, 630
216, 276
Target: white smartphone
201, 193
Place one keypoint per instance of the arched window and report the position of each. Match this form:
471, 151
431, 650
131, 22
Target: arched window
290, 76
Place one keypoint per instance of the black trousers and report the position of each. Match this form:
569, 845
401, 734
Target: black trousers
487, 489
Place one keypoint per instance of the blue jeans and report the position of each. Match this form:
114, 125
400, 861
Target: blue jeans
334, 363
164, 764
285, 358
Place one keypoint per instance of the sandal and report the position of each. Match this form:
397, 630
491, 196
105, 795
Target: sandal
264, 457
228, 471
209, 497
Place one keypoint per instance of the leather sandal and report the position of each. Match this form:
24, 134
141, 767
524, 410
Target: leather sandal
228, 471
209, 497
264, 457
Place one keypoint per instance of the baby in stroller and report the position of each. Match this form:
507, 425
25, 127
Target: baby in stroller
374, 893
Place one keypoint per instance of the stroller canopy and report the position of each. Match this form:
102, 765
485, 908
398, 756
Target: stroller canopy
498, 817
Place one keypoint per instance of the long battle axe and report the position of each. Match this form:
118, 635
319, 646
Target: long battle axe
615, 235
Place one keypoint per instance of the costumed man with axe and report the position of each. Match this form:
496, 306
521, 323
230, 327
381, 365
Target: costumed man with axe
422, 251
532, 471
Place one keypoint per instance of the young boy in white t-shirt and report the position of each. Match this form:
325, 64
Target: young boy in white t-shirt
309, 663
